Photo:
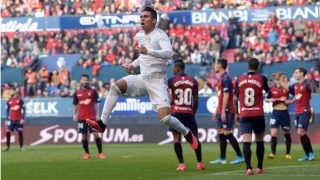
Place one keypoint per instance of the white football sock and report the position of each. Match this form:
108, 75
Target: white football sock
174, 123
109, 103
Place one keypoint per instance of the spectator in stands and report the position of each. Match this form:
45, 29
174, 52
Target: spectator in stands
196, 57
94, 84
64, 78
52, 89
6, 90
206, 90
31, 80
43, 77
273, 37
55, 78
65, 92
299, 27
73, 86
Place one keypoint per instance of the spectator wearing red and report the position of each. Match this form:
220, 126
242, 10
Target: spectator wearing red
111, 57
31, 81
283, 38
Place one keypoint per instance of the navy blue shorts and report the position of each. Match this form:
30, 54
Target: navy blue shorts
229, 124
83, 127
15, 125
255, 124
302, 120
187, 120
280, 118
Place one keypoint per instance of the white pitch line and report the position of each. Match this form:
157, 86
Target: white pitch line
276, 167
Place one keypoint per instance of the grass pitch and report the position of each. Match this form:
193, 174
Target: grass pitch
145, 161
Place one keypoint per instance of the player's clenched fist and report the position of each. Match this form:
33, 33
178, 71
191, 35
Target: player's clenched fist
142, 50
129, 68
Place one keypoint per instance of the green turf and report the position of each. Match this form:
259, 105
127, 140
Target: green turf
143, 162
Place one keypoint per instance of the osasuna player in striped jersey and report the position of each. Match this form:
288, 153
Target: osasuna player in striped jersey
225, 114
302, 91
279, 96
249, 88
15, 118
184, 104
155, 49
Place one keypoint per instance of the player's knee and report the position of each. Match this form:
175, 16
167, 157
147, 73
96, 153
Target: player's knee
115, 89
84, 136
166, 119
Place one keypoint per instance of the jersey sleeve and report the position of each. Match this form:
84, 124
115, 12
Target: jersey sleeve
75, 99
96, 97
226, 85
291, 89
308, 86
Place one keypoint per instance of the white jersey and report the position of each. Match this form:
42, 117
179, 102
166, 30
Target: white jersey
159, 52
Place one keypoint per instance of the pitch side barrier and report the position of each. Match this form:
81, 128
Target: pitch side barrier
49, 121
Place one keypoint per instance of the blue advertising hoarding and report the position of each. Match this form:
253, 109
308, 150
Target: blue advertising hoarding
204, 17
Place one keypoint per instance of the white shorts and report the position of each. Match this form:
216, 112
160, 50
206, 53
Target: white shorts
156, 87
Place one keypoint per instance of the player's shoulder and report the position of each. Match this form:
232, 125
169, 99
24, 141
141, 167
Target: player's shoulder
160, 32
140, 34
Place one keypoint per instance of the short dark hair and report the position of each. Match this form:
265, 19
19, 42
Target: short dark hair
303, 70
253, 64
179, 64
151, 10
223, 62
85, 75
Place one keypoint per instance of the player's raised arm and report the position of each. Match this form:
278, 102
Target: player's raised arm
313, 87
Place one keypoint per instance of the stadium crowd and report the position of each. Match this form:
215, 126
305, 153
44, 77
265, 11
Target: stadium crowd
273, 41
40, 8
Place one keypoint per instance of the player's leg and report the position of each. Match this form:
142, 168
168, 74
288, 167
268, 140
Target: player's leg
288, 143
98, 143
246, 131
171, 121
285, 124
222, 143
116, 90
9, 129
227, 131
83, 129
20, 133
274, 126
273, 143
302, 124
130, 84
198, 151
178, 149
258, 126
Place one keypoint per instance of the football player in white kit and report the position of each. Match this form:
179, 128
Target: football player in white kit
155, 49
